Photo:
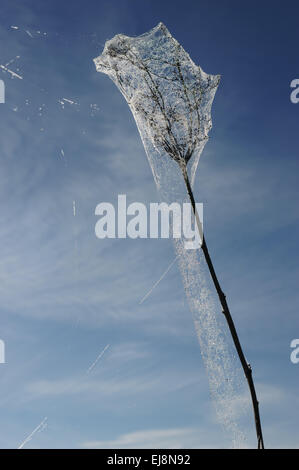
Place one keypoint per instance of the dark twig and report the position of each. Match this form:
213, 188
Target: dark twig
246, 367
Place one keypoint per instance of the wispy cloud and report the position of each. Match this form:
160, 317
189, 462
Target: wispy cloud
161, 438
176, 438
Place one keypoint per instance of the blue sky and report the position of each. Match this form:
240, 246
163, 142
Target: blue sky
65, 294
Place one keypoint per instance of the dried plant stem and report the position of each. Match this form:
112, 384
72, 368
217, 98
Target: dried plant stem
246, 367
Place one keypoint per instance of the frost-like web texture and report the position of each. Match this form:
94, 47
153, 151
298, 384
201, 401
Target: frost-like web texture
171, 98
226, 377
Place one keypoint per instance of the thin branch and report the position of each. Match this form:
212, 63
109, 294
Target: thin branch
246, 367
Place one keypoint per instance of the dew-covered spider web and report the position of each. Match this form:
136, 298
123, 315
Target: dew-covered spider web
171, 98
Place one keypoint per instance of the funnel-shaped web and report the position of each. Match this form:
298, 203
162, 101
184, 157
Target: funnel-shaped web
171, 98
